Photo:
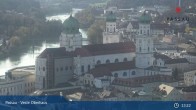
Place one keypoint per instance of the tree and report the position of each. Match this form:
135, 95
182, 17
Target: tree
95, 32
85, 17
14, 41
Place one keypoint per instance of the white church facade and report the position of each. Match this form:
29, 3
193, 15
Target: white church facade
97, 65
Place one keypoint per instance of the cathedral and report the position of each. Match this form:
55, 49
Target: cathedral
100, 65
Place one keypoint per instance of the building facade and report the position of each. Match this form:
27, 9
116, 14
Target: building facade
111, 34
19, 81
190, 78
144, 44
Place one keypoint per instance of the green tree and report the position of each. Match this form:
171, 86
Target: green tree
85, 17
14, 41
95, 32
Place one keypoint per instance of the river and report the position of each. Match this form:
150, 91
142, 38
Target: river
28, 58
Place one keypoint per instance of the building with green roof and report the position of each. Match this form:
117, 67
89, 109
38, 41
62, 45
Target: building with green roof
71, 25
70, 37
111, 17
145, 18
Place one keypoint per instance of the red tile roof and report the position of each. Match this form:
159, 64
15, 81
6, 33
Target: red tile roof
107, 69
118, 66
90, 50
104, 49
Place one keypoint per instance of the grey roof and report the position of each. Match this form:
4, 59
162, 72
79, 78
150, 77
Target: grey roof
178, 60
161, 56
154, 68
188, 89
107, 69
90, 50
104, 49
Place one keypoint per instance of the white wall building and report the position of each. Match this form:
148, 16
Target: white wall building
111, 34
19, 81
71, 38
144, 44
190, 78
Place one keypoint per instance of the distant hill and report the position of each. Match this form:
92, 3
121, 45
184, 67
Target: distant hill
135, 3
26, 7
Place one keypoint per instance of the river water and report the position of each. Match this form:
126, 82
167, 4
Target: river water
28, 58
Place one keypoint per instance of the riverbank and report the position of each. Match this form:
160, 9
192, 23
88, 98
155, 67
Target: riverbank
25, 55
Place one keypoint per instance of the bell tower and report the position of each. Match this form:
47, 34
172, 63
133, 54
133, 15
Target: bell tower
111, 34
71, 38
144, 43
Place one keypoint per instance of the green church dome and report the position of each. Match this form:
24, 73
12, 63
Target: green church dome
71, 25
145, 18
111, 17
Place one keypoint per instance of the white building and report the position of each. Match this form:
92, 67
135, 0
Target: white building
190, 78
71, 38
19, 81
57, 65
111, 34
168, 93
144, 44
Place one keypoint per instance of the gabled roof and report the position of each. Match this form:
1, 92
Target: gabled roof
104, 49
178, 60
54, 53
90, 50
161, 56
107, 69
100, 72
118, 66
169, 60
166, 88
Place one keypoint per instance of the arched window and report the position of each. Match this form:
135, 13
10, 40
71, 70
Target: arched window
125, 60
116, 61
133, 73
98, 62
148, 49
125, 74
115, 75
107, 61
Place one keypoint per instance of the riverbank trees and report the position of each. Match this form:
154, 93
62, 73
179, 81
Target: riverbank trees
22, 26
95, 32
